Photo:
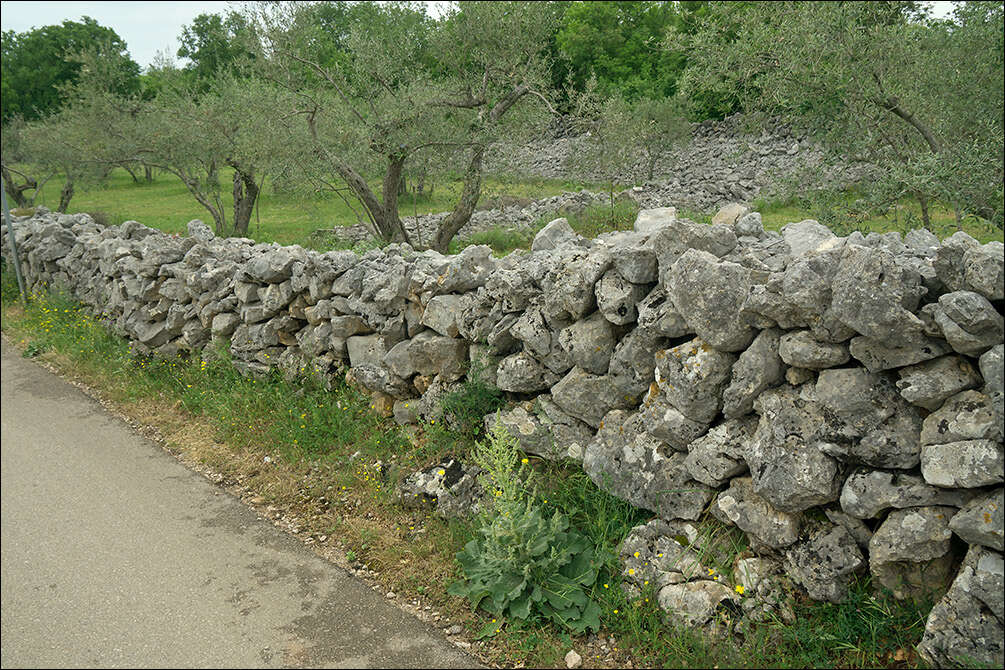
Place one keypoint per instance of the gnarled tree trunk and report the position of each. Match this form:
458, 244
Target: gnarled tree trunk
465, 207
245, 194
16, 191
65, 195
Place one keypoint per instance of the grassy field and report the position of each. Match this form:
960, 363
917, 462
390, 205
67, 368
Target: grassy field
334, 468
165, 204
286, 218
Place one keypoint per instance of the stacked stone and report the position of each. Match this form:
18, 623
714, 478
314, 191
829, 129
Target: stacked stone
839, 400
723, 162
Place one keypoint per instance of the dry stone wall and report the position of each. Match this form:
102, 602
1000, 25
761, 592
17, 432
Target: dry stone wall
838, 399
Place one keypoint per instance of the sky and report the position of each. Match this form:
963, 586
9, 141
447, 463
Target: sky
149, 27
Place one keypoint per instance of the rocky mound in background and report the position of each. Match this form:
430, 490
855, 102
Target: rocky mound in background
839, 400
721, 163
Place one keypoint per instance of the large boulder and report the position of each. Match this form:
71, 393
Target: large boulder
875, 295
629, 463
709, 294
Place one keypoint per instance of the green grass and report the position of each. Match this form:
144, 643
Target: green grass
339, 460
289, 218
285, 218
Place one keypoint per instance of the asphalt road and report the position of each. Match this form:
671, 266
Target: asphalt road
116, 555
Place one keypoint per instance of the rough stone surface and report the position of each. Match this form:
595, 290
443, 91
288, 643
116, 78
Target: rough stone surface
626, 461
910, 552
966, 464
692, 377
789, 470
800, 349
709, 294
717, 456
965, 629
867, 493
451, 488
740, 505
981, 520
928, 384
969, 415
877, 355
825, 563
757, 369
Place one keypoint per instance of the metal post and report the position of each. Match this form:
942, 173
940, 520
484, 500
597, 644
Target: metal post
13, 248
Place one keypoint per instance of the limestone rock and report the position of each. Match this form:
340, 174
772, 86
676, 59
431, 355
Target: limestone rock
441, 314
866, 493
801, 349
589, 343
807, 236
984, 270
789, 470
965, 629
758, 368
824, 563
965, 464
588, 397
451, 488
873, 294
627, 462
928, 384
650, 220
910, 552
717, 456
522, 373
694, 603
877, 355
692, 377
981, 520
710, 294
766, 525
866, 420
969, 322
969, 415
657, 313
555, 234
729, 214
617, 298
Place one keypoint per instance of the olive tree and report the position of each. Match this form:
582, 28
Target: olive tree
195, 135
876, 80
395, 87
